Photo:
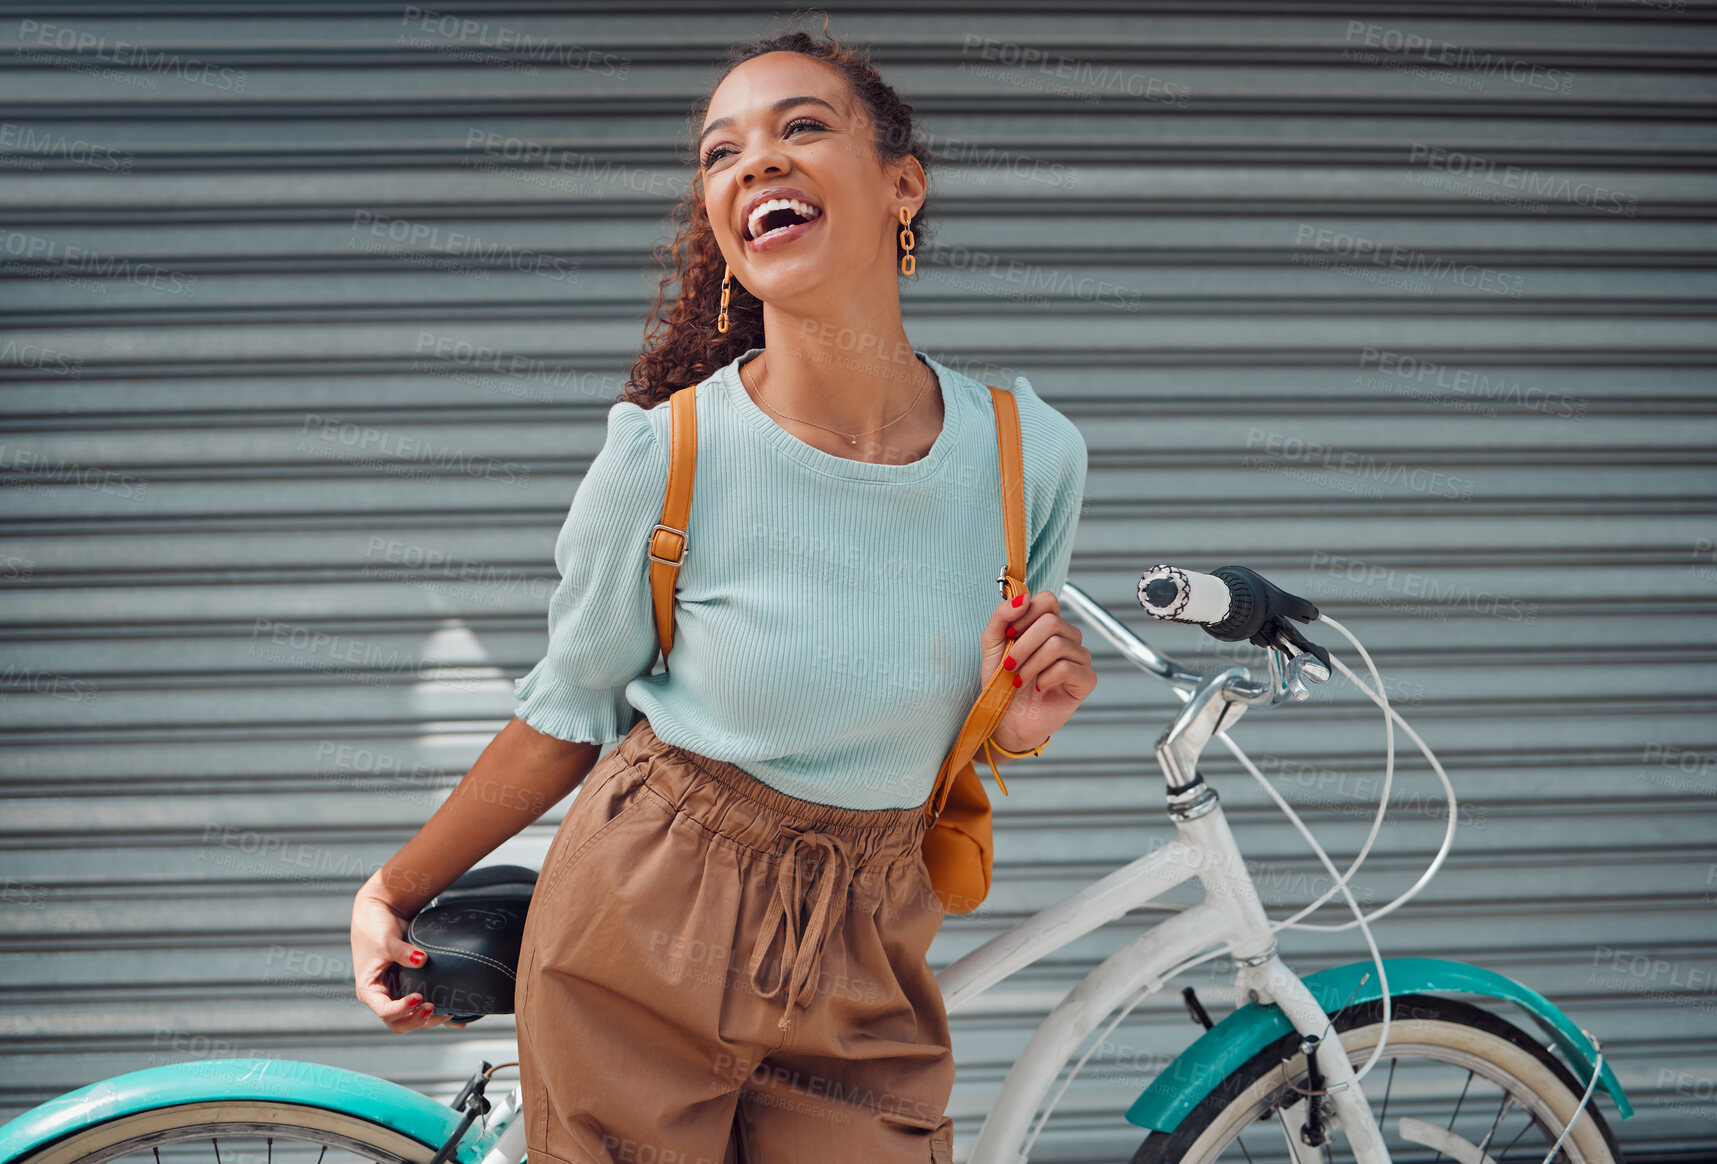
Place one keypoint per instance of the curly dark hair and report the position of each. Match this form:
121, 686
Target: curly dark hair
682, 346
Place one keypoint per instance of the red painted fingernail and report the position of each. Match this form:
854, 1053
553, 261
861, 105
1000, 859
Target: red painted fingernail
414, 1000
1018, 598
1018, 682
1012, 632
428, 1008
1008, 663
416, 957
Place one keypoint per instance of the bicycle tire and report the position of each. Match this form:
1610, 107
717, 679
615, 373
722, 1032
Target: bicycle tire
155, 1133
1434, 1037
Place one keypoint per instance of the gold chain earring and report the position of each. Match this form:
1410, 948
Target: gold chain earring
908, 261
726, 292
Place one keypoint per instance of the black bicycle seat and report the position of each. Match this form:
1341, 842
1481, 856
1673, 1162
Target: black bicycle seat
471, 932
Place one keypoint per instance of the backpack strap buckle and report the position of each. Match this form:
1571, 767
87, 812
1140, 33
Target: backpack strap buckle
679, 548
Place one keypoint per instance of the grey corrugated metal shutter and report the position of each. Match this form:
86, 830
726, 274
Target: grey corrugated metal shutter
1407, 306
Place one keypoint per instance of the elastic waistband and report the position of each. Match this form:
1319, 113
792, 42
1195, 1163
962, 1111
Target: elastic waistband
728, 800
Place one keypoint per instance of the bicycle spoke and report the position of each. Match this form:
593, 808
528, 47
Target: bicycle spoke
1383, 1120
324, 1152
1463, 1098
1460, 1101
217, 1145
1241, 1144
1529, 1124
1496, 1123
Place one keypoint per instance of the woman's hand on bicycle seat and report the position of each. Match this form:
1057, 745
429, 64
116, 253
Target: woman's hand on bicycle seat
1053, 672
378, 941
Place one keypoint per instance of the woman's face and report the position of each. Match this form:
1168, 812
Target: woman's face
785, 120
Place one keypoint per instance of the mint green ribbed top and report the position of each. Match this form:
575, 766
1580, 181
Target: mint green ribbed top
828, 610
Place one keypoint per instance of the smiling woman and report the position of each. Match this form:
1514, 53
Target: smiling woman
737, 906
808, 198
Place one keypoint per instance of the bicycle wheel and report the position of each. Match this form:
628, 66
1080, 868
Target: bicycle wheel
241, 1131
1455, 1082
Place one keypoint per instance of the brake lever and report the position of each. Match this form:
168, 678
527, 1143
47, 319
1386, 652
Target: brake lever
1285, 636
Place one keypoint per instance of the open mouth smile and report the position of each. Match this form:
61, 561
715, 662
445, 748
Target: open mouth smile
778, 221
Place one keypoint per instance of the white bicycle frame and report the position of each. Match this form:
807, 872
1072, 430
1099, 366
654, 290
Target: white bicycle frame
1229, 919
1230, 915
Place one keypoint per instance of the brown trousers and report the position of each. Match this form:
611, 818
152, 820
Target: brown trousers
715, 972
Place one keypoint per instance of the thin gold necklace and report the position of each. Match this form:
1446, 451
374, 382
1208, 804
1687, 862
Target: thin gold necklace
852, 438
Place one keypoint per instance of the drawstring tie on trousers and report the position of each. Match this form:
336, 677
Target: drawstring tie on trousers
802, 939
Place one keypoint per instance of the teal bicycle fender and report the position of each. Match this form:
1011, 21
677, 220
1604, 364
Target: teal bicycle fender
287, 1080
1223, 1048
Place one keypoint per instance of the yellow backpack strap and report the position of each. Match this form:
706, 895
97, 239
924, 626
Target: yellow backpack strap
668, 540
997, 696
1013, 486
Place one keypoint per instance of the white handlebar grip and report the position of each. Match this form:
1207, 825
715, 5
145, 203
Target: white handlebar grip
1177, 595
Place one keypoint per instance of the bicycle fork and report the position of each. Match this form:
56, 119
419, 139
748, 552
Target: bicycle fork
1272, 981
1261, 975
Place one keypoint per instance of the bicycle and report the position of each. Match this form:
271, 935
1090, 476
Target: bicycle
1278, 1078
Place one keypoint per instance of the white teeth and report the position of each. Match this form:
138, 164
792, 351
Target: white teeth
803, 209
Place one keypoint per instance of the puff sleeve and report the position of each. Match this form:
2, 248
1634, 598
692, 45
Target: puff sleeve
602, 631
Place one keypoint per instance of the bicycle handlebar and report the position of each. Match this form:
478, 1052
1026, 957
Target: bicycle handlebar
1230, 603
1138, 652
1237, 602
